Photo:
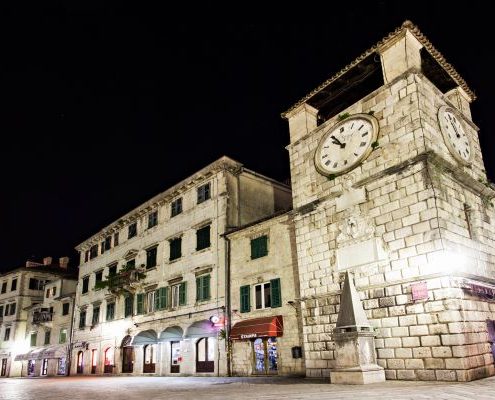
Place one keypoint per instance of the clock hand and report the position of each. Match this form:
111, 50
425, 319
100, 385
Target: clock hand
455, 129
337, 141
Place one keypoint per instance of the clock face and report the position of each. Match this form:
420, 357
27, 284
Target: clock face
346, 144
454, 134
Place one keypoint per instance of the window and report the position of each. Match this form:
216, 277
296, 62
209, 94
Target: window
34, 338
13, 285
110, 311
62, 338
102, 247
96, 315
203, 238
150, 301
47, 337
12, 309
82, 319
132, 230
131, 263
115, 239
202, 287
35, 284
268, 294
176, 207
152, 219
7, 309
151, 257
175, 248
98, 276
161, 298
65, 308
86, 256
112, 269
203, 193
259, 247
128, 306
93, 251
179, 295
4, 287
1, 312
85, 285
54, 291
140, 303
245, 298
47, 295
6, 337
108, 243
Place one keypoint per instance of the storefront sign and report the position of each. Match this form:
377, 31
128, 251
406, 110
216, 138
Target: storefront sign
249, 336
481, 290
419, 291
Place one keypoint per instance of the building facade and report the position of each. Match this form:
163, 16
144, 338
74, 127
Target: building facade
152, 285
22, 288
266, 334
48, 330
388, 182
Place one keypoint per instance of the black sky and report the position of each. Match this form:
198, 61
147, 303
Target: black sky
105, 107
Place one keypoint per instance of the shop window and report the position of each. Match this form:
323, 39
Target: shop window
205, 355
203, 238
179, 295
175, 248
152, 219
175, 357
176, 207
265, 356
61, 368
268, 294
259, 247
149, 359
203, 288
203, 193
132, 230
151, 257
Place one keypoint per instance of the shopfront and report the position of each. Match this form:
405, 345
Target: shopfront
44, 361
255, 344
171, 338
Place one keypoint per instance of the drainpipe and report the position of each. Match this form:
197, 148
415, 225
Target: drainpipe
228, 324
71, 336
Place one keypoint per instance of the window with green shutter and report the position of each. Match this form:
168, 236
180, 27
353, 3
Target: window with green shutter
161, 298
182, 294
259, 247
140, 303
245, 298
128, 306
276, 293
203, 288
203, 238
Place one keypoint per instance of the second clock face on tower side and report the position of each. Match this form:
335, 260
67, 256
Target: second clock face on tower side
454, 134
346, 144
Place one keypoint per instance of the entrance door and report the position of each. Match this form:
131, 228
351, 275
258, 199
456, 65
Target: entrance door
205, 355
61, 366
108, 368
44, 366
31, 365
4, 367
175, 358
94, 361
491, 334
149, 359
127, 359
80, 362
265, 357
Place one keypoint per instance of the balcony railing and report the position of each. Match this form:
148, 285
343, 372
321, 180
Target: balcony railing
42, 316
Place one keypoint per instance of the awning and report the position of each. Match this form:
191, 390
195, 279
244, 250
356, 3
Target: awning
43, 352
145, 337
171, 334
202, 328
258, 327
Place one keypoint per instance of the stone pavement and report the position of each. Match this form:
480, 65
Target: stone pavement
158, 388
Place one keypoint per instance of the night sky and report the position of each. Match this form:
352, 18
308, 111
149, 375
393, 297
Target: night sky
104, 107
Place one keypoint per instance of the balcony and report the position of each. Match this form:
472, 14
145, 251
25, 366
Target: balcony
43, 315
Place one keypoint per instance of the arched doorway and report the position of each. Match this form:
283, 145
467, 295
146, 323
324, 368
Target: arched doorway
149, 358
173, 334
108, 360
205, 355
127, 355
94, 360
80, 362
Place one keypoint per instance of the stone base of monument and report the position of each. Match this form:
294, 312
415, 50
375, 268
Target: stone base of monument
358, 376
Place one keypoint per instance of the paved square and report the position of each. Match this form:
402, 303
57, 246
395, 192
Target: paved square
157, 388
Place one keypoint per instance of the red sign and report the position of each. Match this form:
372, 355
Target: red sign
419, 291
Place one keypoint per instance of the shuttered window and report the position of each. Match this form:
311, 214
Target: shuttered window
182, 294
276, 293
140, 303
161, 298
245, 298
128, 306
259, 247
203, 288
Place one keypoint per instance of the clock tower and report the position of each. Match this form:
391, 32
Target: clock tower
403, 203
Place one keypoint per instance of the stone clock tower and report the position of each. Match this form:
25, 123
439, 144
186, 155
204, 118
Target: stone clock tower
402, 203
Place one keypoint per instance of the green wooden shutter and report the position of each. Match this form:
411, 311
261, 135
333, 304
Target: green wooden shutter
245, 298
206, 291
165, 297
182, 294
276, 293
157, 299
140, 303
198, 289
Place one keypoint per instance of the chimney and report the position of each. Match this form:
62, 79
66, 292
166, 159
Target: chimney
63, 262
47, 261
32, 264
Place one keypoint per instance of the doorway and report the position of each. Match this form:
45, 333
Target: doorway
80, 362
127, 359
265, 356
175, 357
491, 334
108, 367
205, 355
94, 361
149, 359
44, 367
4, 367
31, 366
61, 366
